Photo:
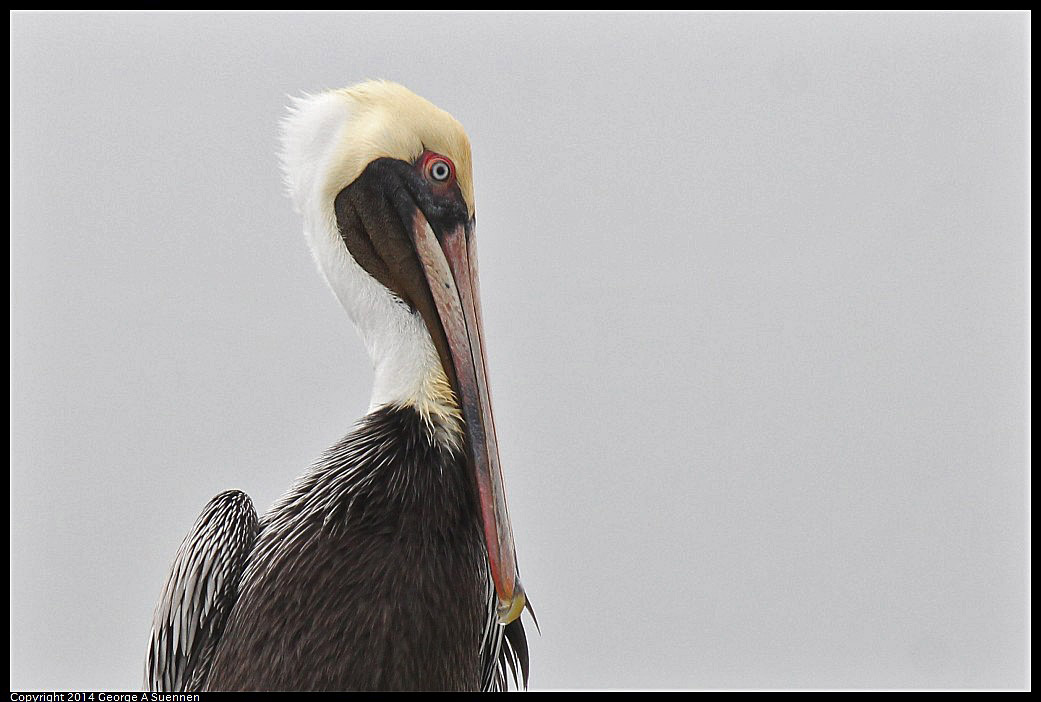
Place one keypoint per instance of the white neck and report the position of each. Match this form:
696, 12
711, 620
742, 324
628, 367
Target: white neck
408, 369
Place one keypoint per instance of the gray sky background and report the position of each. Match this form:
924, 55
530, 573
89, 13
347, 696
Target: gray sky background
754, 288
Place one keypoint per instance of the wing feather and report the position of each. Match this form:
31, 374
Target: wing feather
504, 649
199, 593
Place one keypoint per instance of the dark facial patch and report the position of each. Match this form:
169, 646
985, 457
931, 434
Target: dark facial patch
374, 215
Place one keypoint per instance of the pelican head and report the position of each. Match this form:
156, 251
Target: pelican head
383, 180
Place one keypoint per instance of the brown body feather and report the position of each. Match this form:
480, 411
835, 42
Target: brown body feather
370, 574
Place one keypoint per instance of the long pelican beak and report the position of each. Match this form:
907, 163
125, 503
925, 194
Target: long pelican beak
450, 267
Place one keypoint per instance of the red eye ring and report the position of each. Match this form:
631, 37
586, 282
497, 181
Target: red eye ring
438, 169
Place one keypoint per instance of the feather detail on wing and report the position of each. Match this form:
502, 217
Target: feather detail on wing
199, 593
504, 649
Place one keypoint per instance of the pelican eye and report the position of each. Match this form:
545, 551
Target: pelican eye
439, 170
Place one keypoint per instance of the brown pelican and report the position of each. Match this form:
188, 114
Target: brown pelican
390, 563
